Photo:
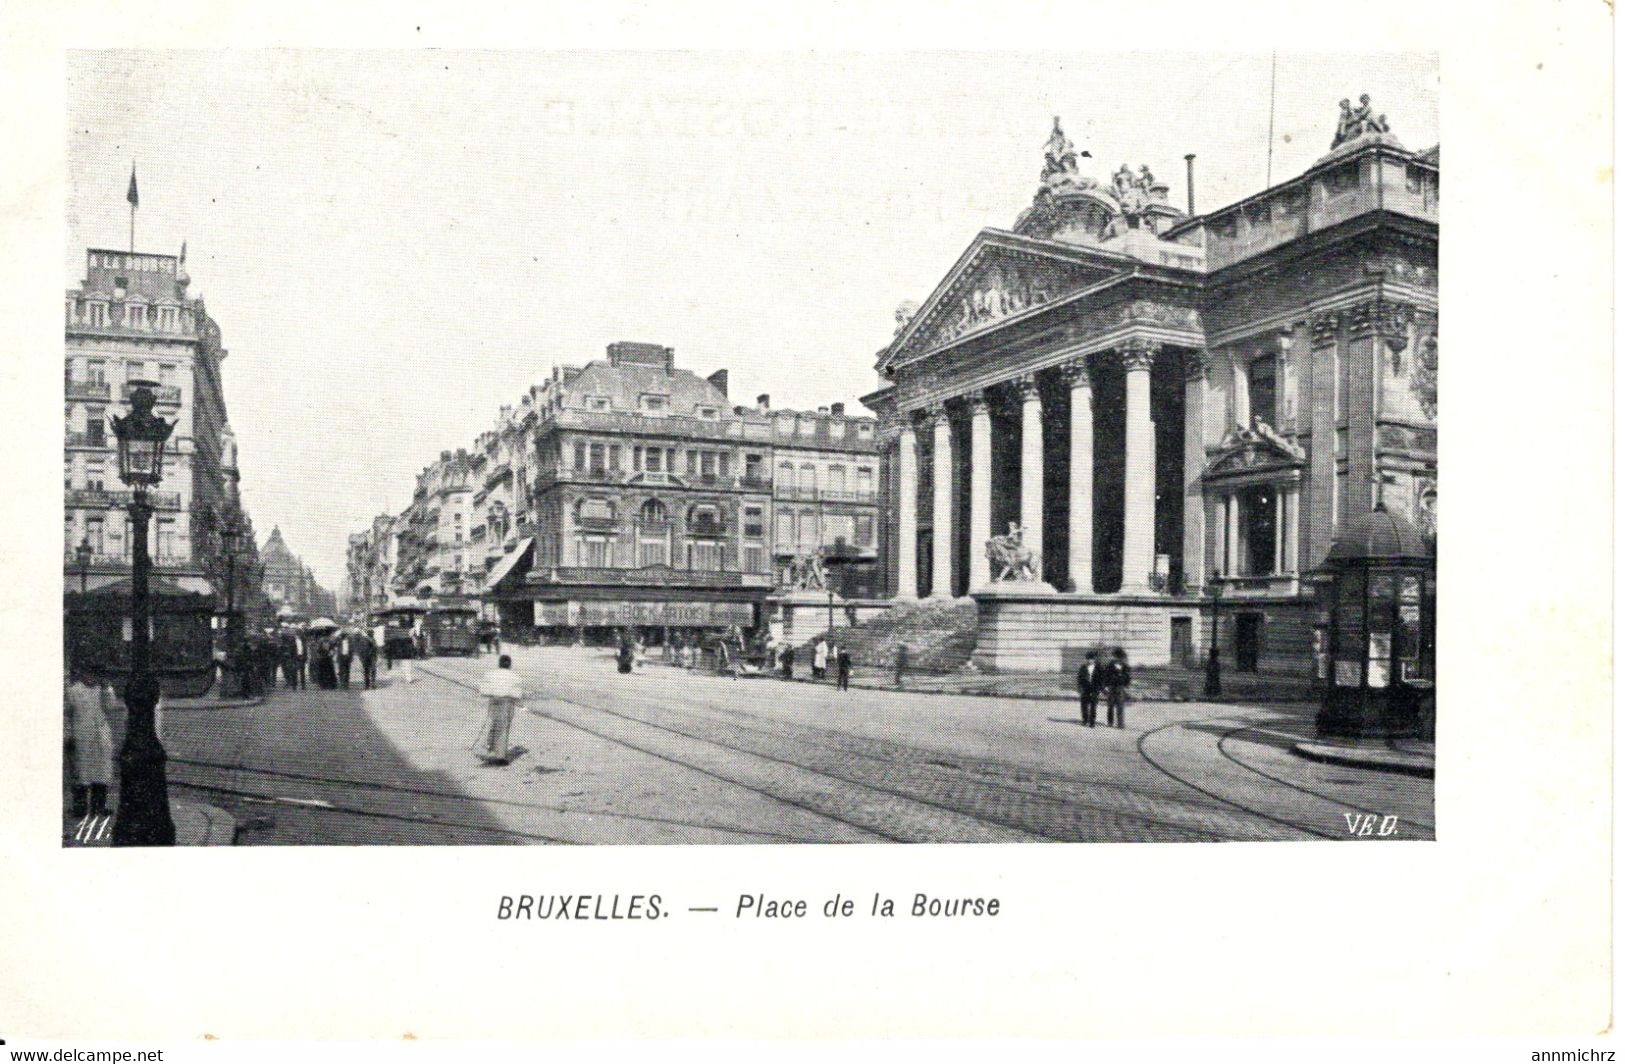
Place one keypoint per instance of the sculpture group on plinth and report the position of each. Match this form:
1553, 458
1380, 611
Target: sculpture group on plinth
1356, 122
1014, 560
807, 573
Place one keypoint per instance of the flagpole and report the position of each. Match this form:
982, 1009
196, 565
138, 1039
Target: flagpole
1269, 155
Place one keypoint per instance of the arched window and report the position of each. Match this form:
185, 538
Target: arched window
704, 519
653, 512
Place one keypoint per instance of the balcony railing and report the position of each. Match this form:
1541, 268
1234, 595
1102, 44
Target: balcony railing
669, 425
89, 390
796, 491
90, 440
162, 559
650, 575
163, 500
163, 393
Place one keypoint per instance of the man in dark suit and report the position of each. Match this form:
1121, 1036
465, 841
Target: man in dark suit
346, 653
1089, 677
1115, 676
369, 661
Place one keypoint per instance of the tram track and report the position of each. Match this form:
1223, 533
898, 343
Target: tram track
445, 795
1311, 792
1021, 825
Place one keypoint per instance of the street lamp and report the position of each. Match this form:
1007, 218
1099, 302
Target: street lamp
230, 532
143, 805
1211, 688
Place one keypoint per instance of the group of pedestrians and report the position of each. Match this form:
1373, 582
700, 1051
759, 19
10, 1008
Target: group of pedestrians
823, 654
330, 659
1109, 677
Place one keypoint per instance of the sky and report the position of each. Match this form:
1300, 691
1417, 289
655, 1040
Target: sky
395, 244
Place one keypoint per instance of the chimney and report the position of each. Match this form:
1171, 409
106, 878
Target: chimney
824, 410
719, 380
1190, 184
762, 402
838, 409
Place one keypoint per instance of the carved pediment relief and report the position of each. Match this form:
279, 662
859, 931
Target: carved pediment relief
993, 284
1259, 449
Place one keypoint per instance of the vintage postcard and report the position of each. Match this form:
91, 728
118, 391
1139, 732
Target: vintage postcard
663, 455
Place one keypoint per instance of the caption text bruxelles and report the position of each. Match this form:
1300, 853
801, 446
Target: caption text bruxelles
584, 907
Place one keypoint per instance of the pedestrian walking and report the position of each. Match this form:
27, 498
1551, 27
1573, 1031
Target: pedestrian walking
1116, 678
288, 650
902, 663
346, 653
787, 661
368, 651
843, 668
623, 657
87, 706
1089, 683
504, 693
820, 658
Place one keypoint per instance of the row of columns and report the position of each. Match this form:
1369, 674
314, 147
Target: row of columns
1139, 515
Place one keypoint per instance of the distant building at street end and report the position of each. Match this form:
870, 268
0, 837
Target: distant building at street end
289, 584
1160, 403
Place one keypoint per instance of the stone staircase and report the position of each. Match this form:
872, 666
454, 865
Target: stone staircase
940, 636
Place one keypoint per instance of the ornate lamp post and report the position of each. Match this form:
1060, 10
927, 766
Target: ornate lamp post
1211, 689
143, 805
230, 532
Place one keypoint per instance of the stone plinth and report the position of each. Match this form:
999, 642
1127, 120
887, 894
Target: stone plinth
802, 615
1022, 628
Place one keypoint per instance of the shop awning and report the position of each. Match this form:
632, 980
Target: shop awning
506, 566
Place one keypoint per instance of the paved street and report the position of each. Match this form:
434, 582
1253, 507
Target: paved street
671, 756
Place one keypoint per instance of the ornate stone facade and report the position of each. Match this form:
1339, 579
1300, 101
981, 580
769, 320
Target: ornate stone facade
1161, 401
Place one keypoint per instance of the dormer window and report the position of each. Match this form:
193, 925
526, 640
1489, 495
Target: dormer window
597, 402
837, 428
653, 404
806, 426
786, 426
865, 430
706, 413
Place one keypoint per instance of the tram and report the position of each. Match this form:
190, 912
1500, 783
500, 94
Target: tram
451, 630
400, 624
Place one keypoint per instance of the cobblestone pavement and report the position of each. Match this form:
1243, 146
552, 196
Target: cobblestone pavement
668, 756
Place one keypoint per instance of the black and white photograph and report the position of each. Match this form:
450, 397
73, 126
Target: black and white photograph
519, 482
536, 486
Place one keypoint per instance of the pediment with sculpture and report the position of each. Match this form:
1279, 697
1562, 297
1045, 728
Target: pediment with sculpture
1255, 451
991, 283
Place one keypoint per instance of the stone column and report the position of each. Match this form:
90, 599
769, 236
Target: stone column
1322, 414
1080, 535
1291, 549
1278, 564
942, 510
1139, 469
981, 491
1232, 535
1032, 466
908, 490
1196, 418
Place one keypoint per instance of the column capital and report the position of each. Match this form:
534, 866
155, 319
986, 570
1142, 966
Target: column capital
1077, 374
976, 402
931, 416
1323, 328
1027, 388
1138, 354
1197, 365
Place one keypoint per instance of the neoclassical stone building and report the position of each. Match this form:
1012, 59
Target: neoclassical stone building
1159, 400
